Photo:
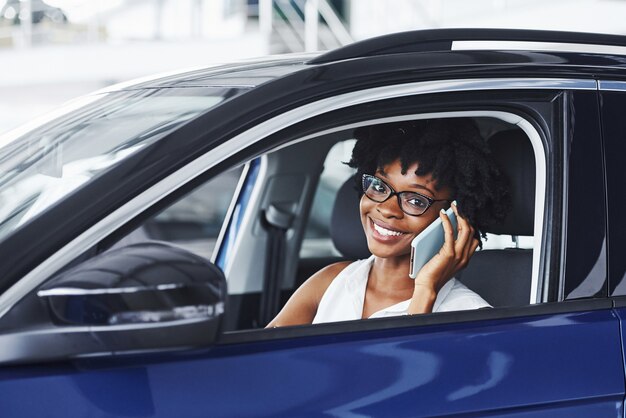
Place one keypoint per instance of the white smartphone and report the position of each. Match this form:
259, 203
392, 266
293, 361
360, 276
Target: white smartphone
428, 243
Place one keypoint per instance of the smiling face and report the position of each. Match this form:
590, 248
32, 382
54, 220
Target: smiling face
388, 229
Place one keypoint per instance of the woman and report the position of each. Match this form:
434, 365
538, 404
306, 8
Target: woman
408, 174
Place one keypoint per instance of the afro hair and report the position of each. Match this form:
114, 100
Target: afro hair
452, 151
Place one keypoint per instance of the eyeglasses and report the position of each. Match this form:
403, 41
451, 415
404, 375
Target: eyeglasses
411, 203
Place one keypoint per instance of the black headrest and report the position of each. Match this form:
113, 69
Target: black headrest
345, 225
514, 153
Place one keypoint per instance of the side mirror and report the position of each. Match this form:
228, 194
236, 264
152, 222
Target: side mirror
146, 296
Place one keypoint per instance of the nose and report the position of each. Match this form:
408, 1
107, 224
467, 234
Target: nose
390, 208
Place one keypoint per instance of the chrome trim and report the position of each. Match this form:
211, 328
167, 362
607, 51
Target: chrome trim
229, 212
145, 325
536, 285
538, 46
560, 280
76, 291
189, 172
604, 85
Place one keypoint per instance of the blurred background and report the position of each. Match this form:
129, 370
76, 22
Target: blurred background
54, 50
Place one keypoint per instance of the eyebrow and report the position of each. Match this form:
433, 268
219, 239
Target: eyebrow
414, 185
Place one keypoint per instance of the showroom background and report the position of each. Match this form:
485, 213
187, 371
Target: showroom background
55, 50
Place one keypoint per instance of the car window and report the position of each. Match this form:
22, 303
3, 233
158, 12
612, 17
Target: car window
284, 180
301, 179
508, 243
194, 221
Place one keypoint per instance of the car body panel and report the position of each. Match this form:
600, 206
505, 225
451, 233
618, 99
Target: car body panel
507, 367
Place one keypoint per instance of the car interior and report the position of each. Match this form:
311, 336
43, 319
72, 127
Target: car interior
290, 212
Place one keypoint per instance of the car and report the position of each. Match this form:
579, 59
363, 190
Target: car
149, 232
11, 11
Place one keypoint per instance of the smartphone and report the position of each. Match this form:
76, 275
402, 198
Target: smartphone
428, 243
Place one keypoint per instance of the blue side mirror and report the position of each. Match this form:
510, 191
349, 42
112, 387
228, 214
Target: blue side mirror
142, 297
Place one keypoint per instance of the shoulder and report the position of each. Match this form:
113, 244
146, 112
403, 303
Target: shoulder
301, 307
336, 275
319, 282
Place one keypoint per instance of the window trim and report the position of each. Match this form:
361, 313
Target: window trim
141, 202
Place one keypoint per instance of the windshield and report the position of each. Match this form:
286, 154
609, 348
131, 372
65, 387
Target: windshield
41, 166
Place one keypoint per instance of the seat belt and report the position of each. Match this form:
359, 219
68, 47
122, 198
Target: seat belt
276, 223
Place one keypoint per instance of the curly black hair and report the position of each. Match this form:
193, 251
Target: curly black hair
452, 151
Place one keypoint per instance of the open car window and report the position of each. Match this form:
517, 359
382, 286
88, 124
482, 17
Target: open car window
507, 251
303, 180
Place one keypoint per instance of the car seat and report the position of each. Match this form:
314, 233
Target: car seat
501, 276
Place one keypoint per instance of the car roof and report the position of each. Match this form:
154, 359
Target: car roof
444, 40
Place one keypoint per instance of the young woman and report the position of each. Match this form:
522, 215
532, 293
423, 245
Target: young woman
408, 174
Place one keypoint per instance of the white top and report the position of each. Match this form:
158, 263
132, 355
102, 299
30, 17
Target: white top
343, 300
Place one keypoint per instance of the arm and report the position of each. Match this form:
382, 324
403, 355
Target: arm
301, 308
453, 256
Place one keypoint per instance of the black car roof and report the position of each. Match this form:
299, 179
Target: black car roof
443, 40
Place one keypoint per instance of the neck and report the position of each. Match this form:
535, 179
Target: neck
391, 273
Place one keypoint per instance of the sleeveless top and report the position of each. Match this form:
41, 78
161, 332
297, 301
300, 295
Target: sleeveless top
343, 300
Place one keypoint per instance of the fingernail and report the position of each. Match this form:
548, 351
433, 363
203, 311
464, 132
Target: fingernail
442, 211
454, 202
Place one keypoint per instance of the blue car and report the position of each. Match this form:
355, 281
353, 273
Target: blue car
150, 231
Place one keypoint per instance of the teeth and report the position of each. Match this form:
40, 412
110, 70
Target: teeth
387, 232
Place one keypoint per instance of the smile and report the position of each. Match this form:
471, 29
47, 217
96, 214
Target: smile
385, 231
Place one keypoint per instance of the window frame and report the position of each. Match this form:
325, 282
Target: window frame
540, 169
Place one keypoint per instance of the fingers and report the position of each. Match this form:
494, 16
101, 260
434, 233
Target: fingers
448, 232
471, 249
455, 254
464, 235
465, 244
458, 251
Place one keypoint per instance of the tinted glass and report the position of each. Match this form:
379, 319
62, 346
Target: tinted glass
585, 251
614, 128
193, 222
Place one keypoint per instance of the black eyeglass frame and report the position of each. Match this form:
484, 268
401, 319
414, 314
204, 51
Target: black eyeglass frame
430, 200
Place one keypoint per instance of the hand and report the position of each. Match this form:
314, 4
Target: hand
452, 257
